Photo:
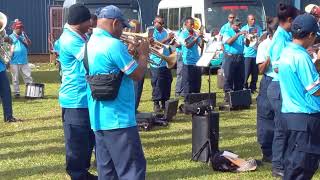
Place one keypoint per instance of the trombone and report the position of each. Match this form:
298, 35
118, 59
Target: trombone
156, 48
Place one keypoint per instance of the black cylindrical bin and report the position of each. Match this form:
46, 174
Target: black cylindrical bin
205, 136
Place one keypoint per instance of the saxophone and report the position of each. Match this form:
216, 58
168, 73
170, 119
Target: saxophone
5, 55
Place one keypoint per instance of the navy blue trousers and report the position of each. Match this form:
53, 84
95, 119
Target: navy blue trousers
79, 141
265, 116
303, 152
161, 79
233, 72
279, 139
191, 79
138, 87
5, 95
120, 154
250, 68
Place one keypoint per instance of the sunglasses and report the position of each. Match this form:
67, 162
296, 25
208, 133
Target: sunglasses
231, 17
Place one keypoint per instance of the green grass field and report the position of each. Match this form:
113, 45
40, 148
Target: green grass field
34, 148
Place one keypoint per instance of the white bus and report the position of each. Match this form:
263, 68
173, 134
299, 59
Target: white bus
212, 13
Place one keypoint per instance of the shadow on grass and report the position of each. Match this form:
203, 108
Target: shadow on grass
42, 77
30, 143
167, 143
31, 130
26, 172
42, 118
29, 152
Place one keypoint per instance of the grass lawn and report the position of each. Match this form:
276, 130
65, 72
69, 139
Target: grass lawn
34, 148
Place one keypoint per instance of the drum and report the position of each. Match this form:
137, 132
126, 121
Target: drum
34, 90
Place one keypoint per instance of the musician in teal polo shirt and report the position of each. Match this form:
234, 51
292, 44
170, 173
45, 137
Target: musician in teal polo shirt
19, 60
250, 53
300, 91
161, 77
191, 74
5, 94
118, 146
79, 137
281, 38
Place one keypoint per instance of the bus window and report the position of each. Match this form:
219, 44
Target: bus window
164, 14
184, 13
173, 23
217, 13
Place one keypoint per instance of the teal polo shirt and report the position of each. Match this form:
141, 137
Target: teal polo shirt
224, 28
237, 46
106, 55
159, 36
299, 80
20, 52
279, 41
2, 65
73, 90
190, 56
251, 51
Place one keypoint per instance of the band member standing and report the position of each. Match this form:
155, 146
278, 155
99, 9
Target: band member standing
118, 146
191, 74
19, 60
250, 53
179, 87
79, 138
161, 77
5, 91
265, 113
225, 27
300, 91
282, 36
233, 40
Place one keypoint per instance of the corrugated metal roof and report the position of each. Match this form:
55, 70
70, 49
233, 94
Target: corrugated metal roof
34, 14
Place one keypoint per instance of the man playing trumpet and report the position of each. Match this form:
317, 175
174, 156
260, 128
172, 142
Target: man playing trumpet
161, 77
191, 74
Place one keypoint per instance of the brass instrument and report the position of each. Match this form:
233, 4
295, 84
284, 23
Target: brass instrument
5, 55
155, 47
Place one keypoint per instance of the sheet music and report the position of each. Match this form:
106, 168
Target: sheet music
212, 50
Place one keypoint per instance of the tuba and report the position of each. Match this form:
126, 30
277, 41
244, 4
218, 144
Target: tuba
4, 45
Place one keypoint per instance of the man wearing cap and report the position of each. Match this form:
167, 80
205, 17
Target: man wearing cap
161, 77
300, 91
79, 138
118, 146
234, 41
250, 53
19, 60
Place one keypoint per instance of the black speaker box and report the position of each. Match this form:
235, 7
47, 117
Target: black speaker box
240, 98
205, 136
197, 97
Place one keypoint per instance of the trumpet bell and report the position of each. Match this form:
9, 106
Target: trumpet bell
3, 21
197, 24
171, 60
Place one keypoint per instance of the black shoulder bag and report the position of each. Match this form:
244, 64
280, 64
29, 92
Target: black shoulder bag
104, 87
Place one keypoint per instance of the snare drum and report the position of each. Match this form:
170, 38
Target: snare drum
34, 90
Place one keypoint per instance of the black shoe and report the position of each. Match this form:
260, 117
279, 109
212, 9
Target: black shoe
17, 96
156, 108
277, 173
91, 177
266, 159
10, 120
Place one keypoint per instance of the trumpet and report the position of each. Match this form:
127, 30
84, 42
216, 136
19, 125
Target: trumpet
156, 48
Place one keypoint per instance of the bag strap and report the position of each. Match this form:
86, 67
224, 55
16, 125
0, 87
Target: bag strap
85, 59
